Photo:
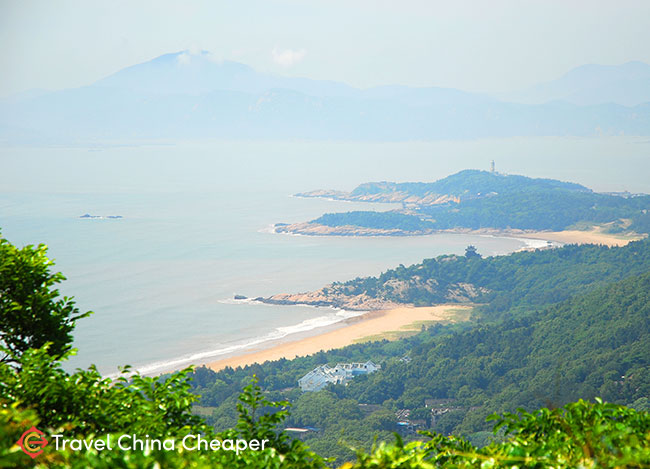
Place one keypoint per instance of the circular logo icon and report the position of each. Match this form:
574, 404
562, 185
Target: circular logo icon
32, 442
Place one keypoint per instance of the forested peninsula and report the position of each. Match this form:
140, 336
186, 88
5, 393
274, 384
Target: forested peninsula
478, 200
522, 278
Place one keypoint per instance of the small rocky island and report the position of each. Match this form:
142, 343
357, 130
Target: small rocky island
383, 192
88, 216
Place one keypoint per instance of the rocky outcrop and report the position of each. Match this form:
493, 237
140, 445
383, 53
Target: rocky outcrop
464, 292
402, 197
332, 298
391, 294
316, 229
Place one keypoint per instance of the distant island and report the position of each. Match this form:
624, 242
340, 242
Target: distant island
100, 217
483, 201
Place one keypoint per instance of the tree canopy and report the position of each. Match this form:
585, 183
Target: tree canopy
32, 313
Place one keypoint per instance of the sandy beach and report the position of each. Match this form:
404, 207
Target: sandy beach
389, 324
593, 236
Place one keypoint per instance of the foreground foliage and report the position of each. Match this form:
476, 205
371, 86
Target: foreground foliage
581, 434
31, 311
282, 452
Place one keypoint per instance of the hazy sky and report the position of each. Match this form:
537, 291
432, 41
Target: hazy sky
480, 45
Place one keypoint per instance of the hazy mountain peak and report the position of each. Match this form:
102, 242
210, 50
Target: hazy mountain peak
182, 72
627, 84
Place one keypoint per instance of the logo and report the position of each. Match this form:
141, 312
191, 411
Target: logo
32, 442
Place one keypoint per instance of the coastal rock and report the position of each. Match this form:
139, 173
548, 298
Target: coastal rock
464, 292
391, 294
316, 229
100, 217
381, 194
325, 194
331, 296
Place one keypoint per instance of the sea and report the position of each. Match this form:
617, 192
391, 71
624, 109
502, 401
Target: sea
196, 230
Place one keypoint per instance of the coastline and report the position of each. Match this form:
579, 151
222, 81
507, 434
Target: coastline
373, 325
393, 321
594, 235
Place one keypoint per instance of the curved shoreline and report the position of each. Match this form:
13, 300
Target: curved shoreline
373, 325
592, 236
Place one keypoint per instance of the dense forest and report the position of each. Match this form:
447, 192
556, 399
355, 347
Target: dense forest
544, 351
555, 325
489, 200
378, 220
540, 211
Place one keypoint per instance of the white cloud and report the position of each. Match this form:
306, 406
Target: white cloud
287, 57
212, 57
184, 58
194, 49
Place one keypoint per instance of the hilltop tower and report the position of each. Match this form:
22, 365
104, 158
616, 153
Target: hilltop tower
492, 167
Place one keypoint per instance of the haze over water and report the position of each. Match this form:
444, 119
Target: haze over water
195, 228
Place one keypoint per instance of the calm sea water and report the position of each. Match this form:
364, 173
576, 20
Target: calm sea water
196, 229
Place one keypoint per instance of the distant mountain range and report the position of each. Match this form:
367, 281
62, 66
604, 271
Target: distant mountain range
187, 96
627, 84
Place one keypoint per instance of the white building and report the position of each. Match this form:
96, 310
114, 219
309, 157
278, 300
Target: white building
323, 375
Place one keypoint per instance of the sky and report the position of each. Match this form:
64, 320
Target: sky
489, 46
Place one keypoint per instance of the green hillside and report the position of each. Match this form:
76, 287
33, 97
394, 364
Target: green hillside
470, 183
492, 200
540, 210
379, 220
505, 284
592, 345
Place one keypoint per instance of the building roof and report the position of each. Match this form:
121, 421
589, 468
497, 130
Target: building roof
297, 430
322, 375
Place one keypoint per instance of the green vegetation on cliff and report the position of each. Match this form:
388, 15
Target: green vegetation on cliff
551, 210
470, 183
506, 284
377, 220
